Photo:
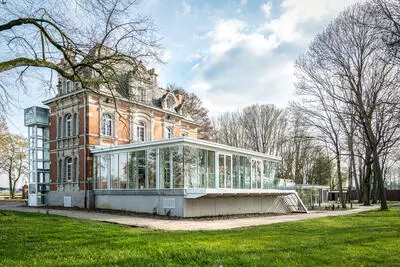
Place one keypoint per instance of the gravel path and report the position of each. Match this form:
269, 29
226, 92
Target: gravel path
184, 224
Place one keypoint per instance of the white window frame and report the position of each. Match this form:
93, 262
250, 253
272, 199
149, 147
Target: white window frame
68, 125
141, 128
107, 125
68, 169
68, 86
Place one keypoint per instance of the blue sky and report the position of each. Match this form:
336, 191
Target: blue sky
231, 53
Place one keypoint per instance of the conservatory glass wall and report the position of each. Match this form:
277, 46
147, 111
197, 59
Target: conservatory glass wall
184, 165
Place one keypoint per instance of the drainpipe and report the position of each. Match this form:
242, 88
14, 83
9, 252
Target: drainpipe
84, 151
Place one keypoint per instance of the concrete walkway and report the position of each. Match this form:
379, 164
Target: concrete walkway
184, 224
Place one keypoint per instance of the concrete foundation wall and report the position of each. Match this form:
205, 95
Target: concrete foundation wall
170, 202
233, 205
56, 198
144, 203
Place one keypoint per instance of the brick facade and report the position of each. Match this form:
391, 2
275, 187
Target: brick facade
68, 139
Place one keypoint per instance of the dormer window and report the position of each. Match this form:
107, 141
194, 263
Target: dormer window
142, 95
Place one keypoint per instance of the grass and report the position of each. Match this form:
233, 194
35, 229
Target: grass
365, 239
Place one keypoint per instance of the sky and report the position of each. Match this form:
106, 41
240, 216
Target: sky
230, 53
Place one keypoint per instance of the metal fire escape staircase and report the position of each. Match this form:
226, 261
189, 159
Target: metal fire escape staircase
290, 203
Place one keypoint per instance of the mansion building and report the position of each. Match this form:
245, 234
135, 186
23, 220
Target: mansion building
101, 149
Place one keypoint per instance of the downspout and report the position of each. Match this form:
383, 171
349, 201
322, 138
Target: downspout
84, 151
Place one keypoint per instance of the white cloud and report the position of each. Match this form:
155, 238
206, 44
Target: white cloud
288, 27
186, 8
266, 8
243, 66
243, 2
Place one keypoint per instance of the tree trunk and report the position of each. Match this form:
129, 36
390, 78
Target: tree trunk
381, 186
361, 174
374, 192
339, 173
367, 180
350, 182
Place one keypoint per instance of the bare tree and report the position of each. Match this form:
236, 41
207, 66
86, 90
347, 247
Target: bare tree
83, 41
275, 131
387, 14
319, 113
193, 106
13, 159
352, 69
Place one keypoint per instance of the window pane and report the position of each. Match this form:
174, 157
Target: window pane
39, 131
221, 168
46, 177
190, 165
228, 174
69, 169
177, 164
114, 171
46, 165
123, 170
133, 171
39, 154
32, 189
267, 180
236, 171
141, 163
32, 177
39, 143
211, 169
245, 173
32, 143
202, 168
151, 168
104, 168
258, 174
165, 167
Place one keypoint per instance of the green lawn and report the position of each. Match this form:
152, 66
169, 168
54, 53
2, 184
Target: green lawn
366, 239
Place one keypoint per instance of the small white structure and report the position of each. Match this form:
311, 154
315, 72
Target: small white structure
190, 178
36, 118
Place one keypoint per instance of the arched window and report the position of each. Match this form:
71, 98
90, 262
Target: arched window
76, 124
168, 132
140, 132
106, 125
68, 169
68, 125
